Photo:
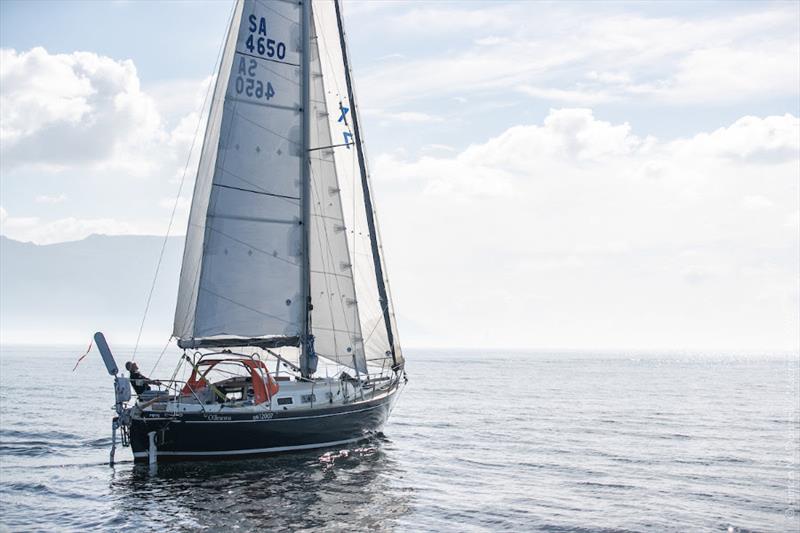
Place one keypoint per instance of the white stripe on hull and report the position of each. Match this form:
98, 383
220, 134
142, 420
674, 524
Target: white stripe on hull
271, 419
255, 450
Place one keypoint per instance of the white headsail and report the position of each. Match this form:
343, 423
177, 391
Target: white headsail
243, 274
334, 317
376, 314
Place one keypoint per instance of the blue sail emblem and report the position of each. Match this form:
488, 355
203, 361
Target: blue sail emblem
344, 110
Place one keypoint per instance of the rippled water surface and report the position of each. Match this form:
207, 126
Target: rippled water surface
478, 442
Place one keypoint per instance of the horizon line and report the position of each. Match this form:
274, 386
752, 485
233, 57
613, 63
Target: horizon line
599, 350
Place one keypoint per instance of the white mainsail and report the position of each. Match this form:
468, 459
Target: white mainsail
241, 276
242, 279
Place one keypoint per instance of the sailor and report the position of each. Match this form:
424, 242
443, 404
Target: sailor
138, 380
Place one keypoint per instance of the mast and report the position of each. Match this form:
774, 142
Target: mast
307, 357
373, 233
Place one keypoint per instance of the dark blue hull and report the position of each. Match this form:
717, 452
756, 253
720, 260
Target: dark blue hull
196, 436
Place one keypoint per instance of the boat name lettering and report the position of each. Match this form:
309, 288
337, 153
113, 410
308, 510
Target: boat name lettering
217, 418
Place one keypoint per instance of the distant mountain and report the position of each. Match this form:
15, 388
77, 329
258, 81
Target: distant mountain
64, 292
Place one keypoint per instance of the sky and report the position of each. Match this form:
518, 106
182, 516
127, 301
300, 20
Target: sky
579, 175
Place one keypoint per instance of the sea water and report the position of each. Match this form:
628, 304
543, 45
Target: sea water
479, 441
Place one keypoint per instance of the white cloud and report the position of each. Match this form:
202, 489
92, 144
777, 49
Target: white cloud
38, 91
51, 199
13, 224
571, 137
793, 221
176, 99
574, 143
756, 202
573, 133
438, 147
697, 274
567, 136
80, 111
582, 57
573, 96
715, 74
182, 206
85, 118
775, 138
489, 41
596, 236
402, 116
389, 57
452, 19
451, 178
609, 77
456, 73
36, 230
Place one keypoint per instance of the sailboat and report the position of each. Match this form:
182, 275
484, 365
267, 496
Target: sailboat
284, 313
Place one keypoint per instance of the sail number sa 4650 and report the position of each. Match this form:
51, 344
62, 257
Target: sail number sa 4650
257, 41
247, 84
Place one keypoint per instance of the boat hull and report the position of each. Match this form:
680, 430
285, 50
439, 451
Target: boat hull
218, 435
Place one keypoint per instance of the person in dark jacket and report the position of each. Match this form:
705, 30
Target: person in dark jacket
139, 382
